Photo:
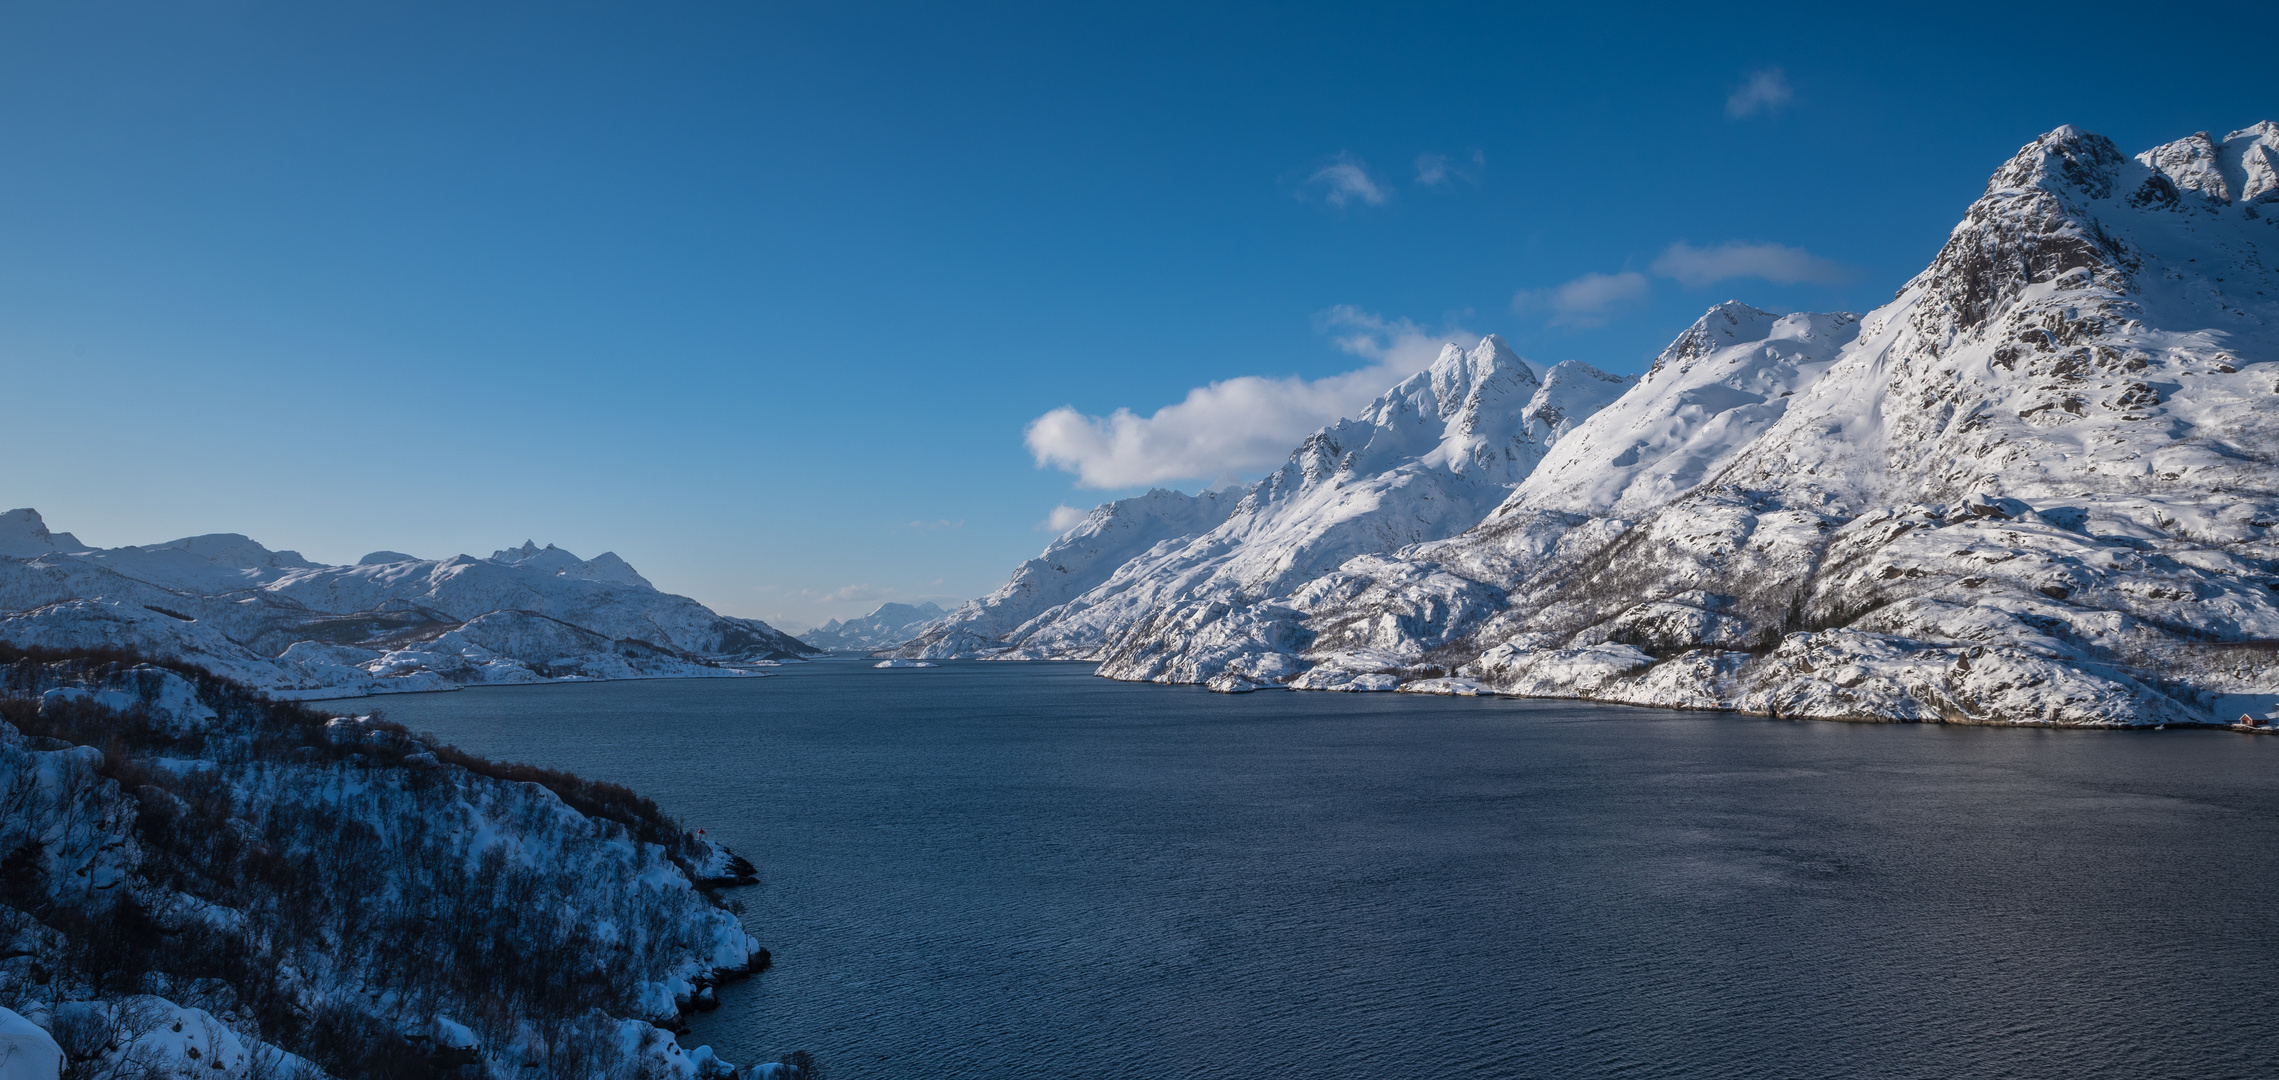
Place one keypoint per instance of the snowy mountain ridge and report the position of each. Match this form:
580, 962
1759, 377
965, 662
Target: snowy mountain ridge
2036, 487
390, 622
887, 625
1423, 460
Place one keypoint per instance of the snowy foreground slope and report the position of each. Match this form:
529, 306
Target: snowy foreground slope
391, 622
196, 880
2036, 487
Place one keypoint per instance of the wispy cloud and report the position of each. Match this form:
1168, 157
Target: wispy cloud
1239, 425
1436, 170
1695, 267
1767, 91
1585, 301
1063, 518
937, 525
1345, 181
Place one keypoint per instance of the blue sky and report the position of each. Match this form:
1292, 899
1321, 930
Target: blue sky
765, 298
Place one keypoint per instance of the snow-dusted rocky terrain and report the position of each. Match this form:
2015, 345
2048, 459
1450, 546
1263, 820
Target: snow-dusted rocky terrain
392, 622
1425, 460
196, 880
884, 628
2036, 487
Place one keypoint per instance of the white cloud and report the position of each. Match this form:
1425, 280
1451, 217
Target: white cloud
1239, 425
1346, 180
1434, 170
1587, 300
1063, 518
848, 594
1766, 91
1695, 267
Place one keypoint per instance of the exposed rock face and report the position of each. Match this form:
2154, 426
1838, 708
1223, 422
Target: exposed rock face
2036, 487
275, 620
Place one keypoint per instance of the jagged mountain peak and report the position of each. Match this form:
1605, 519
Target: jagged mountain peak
1723, 324
606, 566
2190, 163
1471, 409
2244, 168
1423, 460
1724, 381
2084, 312
1460, 376
2067, 160
1460, 383
24, 535
2038, 223
2249, 159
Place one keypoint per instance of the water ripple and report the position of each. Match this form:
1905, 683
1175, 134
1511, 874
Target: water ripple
1020, 871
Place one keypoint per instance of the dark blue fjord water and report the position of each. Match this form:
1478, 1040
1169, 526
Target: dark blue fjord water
1019, 870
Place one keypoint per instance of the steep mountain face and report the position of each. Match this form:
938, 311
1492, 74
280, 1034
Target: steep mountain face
1424, 460
888, 626
1724, 381
391, 622
2035, 487
1078, 561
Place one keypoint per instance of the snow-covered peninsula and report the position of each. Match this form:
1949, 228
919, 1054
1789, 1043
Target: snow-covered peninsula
2038, 487
390, 623
198, 879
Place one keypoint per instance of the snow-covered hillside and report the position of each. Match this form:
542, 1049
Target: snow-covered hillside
391, 622
2036, 487
1075, 563
1424, 460
195, 880
887, 626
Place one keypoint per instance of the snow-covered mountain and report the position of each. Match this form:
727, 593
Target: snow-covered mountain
1074, 564
884, 628
390, 622
2036, 487
1424, 460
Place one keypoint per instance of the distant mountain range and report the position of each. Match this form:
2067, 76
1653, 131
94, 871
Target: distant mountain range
2039, 486
391, 622
890, 625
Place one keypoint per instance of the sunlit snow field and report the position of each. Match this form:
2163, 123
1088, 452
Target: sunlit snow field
1020, 870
